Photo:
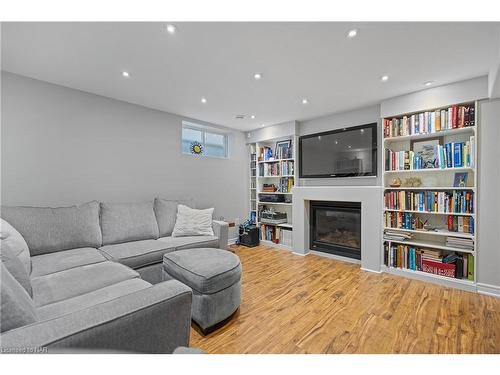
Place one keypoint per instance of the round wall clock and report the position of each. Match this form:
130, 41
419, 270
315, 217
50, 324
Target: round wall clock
196, 148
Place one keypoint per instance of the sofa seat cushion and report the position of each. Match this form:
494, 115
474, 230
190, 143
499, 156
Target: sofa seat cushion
205, 270
93, 298
76, 281
137, 254
47, 230
64, 260
190, 242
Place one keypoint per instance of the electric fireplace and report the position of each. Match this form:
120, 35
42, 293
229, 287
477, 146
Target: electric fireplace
335, 228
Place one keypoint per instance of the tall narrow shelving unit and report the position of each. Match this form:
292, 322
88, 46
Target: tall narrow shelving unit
407, 208
278, 171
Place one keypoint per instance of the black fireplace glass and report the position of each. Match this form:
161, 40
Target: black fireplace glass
335, 228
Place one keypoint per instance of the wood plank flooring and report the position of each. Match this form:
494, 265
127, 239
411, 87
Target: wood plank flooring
312, 304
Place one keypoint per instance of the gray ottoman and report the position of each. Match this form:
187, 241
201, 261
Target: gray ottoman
215, 277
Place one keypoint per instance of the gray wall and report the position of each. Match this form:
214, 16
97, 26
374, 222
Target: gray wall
62, 146
341, 120
489, 187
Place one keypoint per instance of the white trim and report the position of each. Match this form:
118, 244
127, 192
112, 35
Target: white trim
300, 254
369, 270
232, 241
488, 289
335, 257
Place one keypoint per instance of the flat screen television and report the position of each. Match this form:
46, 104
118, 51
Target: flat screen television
347, 152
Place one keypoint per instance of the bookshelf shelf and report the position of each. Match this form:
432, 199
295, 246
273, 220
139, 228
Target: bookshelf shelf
433, 233
415, 140
431, 244
427, 170
276, 203
279, 171
442, 188
442, 133
429, 212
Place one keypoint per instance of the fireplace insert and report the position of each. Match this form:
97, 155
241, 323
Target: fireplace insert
335, 228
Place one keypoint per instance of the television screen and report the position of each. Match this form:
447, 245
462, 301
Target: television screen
347, 152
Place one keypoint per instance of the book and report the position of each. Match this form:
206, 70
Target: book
470, 267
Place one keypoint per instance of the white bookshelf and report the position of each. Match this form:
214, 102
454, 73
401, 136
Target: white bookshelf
441, 180
263, 177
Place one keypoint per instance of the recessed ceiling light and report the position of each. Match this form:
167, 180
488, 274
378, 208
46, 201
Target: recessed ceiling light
203, 100
305, 101
125, 74
349, 146
352, 33
384, 78
262, 125
428, 83
257, 76
171, 28
336, 142
253, 116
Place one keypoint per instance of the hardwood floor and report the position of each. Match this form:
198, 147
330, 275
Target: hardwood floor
294, 304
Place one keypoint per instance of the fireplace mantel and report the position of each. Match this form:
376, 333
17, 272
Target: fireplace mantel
370, 198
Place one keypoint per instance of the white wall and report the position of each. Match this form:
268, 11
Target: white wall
488, 262
62, 146
341, 120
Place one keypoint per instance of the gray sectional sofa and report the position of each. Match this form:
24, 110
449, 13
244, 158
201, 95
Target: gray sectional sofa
94, 275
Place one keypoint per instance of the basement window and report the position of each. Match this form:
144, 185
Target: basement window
201, 140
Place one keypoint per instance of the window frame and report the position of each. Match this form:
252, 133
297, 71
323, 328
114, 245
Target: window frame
204, 130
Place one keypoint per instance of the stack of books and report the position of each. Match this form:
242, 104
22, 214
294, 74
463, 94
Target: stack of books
430, 201
461, 224
461, 243
285, 185
272, 169
457, 116
396, 236
437, 262
287, 167
450, 155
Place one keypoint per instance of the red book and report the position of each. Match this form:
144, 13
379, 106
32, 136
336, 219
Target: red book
454, 116
450, 223
438, 268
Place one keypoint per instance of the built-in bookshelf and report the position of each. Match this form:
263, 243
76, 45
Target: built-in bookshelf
273, 175
430, 195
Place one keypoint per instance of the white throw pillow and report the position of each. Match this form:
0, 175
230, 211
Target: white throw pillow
192, 222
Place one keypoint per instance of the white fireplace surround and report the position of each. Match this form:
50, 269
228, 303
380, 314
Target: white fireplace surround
370, 198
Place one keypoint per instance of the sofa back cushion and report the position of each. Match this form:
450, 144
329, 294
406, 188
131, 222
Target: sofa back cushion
47, 230
16, 268
124, 222
12, 240
166, 213
17, 308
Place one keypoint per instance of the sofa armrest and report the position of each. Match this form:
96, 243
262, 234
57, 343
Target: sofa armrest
221, 230
153, 320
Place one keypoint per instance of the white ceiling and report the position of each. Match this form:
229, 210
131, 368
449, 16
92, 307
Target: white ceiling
218, 60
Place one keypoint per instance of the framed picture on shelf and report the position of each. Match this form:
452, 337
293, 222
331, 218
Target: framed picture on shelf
425, 149
460, 179
282, 149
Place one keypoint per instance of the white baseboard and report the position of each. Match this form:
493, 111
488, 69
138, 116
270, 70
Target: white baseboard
369, 270
336, 257
488, 289
232, 241
300, 254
